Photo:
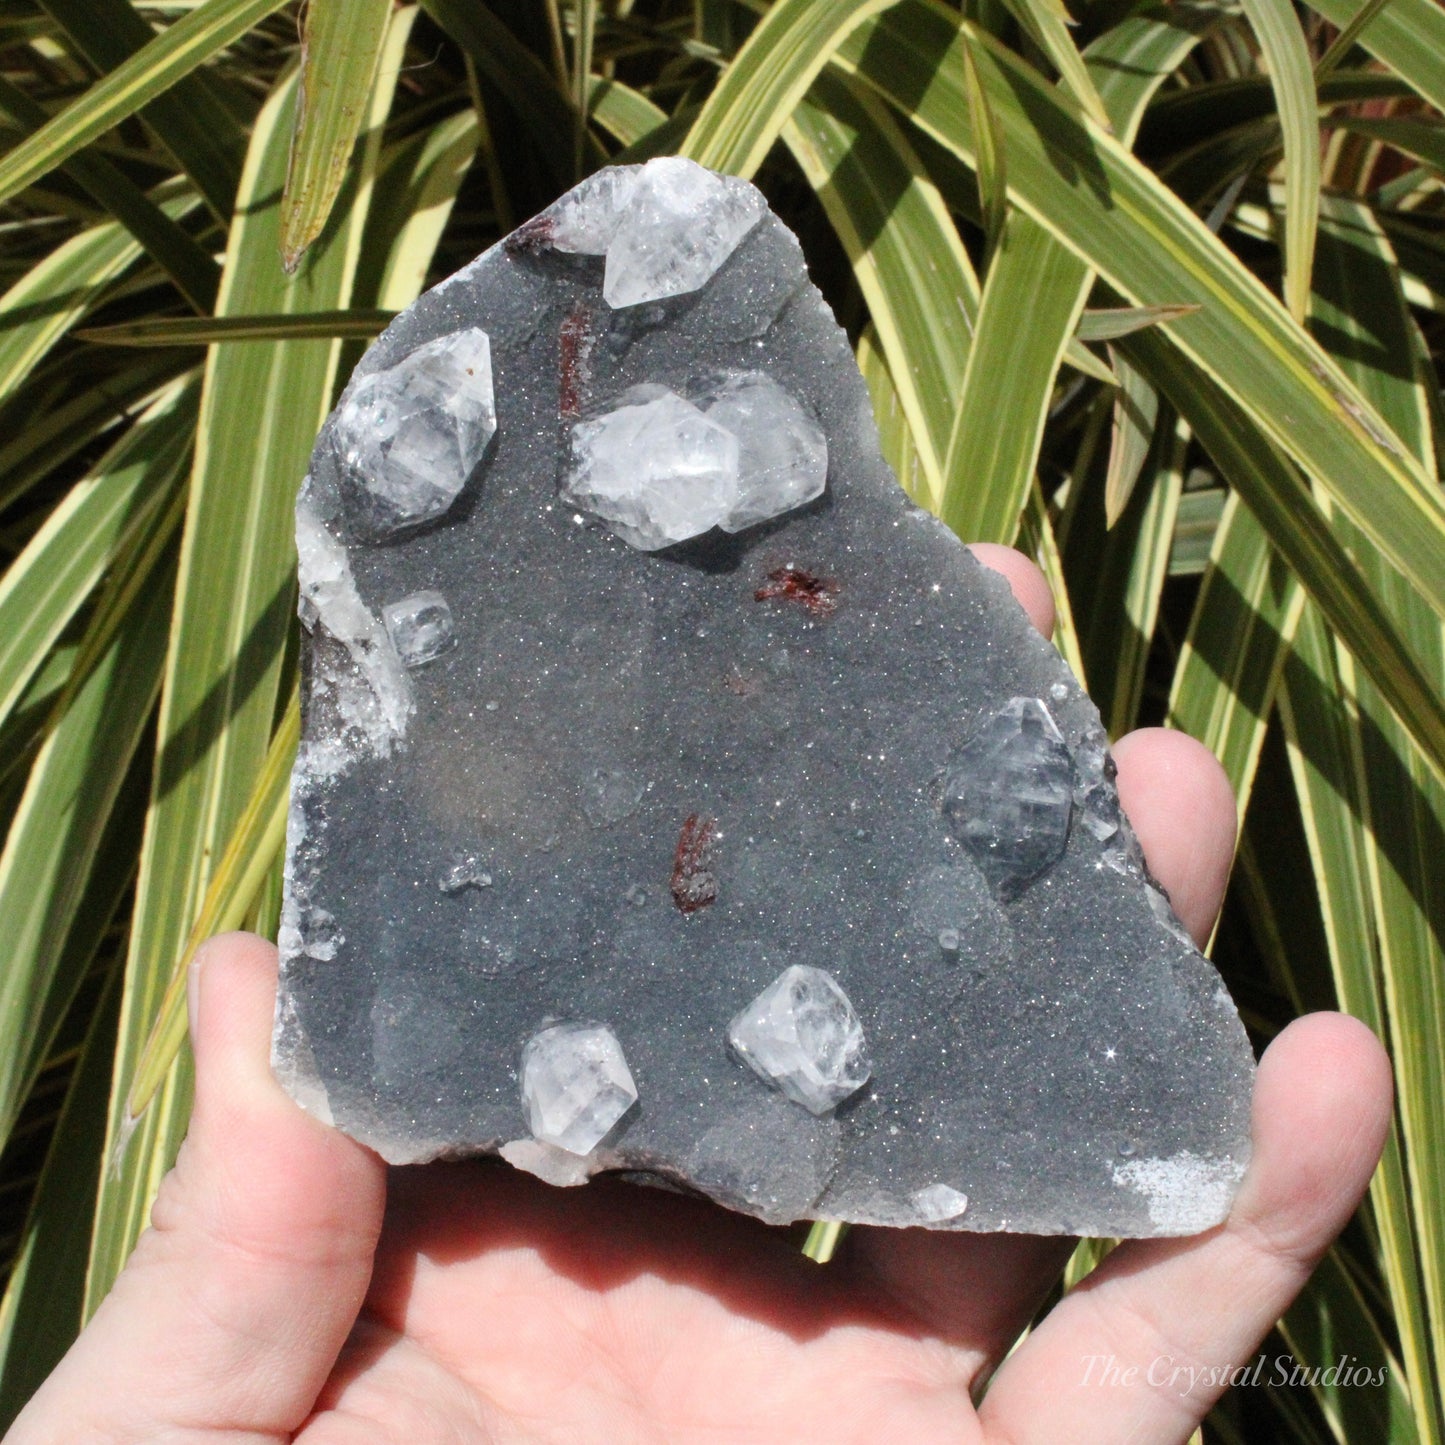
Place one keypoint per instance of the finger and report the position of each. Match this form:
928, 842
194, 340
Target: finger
1179, 801
980, 1292
233, 1307
1029, 586
1142, 1349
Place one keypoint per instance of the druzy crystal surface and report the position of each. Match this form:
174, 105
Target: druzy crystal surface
736, 831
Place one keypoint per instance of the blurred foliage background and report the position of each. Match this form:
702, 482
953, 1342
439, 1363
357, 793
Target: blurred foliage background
1154, 291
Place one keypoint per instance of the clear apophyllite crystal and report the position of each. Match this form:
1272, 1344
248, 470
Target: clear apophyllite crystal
1009, 794
585, 220
575, 1085
938, 1202
653, 467
659, 468
783, 461
420, 627
410, 435
680, 223
803, 1037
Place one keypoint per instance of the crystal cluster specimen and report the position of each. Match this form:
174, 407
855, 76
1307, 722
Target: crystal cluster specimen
675, 798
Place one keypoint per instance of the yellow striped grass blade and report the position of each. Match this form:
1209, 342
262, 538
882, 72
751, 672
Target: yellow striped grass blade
1287, 59
41, 1306
177, 51
71, 789
910, 264
760, 89
260, 411
205, 330
1325, 758
1275, 493
1079, 184
341, 43
250, 854
1240, 633
168, 244
1408, 35
101, 518
196, 119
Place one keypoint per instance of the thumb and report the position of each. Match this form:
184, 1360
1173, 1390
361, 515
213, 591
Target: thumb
230, 1313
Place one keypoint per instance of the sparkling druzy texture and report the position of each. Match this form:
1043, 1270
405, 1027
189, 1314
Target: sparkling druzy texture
783, 863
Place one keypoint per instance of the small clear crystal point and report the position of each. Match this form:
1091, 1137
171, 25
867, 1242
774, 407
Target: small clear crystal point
410, 435
653, 467
802, 1036
1009, 795
576, 1085
420, 627
681, 222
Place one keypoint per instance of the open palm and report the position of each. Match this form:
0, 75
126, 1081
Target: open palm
290, 1288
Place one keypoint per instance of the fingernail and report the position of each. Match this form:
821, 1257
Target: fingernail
193, 993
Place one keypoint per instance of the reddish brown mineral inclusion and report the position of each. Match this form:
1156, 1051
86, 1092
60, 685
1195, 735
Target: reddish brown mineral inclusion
819, 595
694, 884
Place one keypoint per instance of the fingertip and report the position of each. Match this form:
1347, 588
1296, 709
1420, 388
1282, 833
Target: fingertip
1321, 1116
1180, 803
1029, 585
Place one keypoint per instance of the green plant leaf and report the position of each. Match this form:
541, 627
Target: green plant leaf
1408, 35
1110, 323
1136, 409
1116, 216
260, 411
55, 293
195, 274
1240, 633
988, 469
625, 114
1283, 506
1415, 136
198, 120
71, 789
341, 48
205, 330
254, 847
1287, 58
1047, 23
101, 518
528, 86
1347, 38
990, 161
40, 1312
1326, 758
768, 77
905, 252
176, 52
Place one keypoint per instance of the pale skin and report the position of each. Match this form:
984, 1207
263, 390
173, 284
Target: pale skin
288, 1290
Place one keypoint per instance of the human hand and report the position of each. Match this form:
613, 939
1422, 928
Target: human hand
287, 1290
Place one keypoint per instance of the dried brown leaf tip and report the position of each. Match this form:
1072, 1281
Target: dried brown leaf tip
819, 595
694, 885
